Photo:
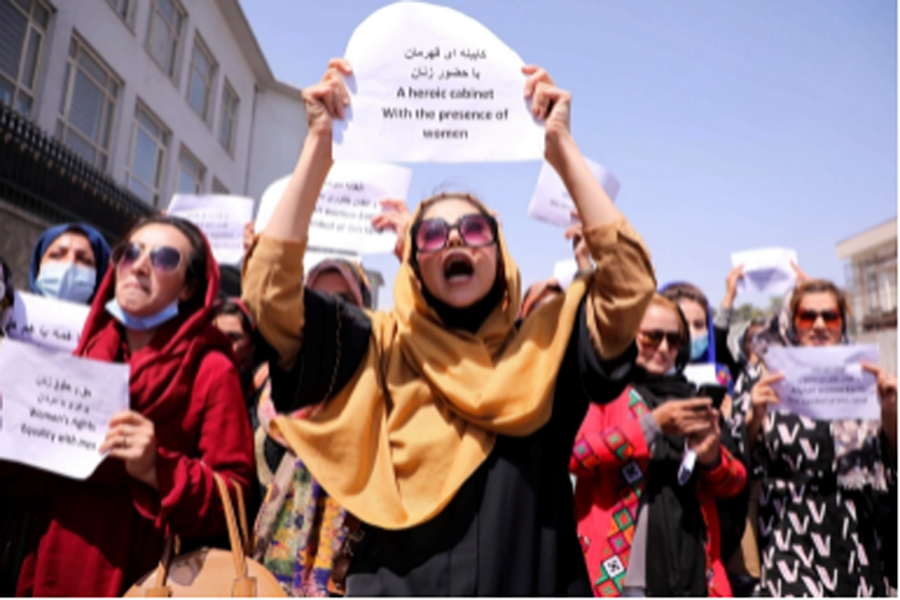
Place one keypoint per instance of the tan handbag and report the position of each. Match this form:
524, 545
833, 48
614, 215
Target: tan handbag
210, 571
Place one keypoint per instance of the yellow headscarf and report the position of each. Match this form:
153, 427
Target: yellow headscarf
423, 410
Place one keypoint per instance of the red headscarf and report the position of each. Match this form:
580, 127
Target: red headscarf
163, 372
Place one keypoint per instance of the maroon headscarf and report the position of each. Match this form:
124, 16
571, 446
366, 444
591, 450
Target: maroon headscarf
163, 372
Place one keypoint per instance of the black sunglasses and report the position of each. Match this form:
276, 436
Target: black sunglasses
655, 338
476, 231
164, 259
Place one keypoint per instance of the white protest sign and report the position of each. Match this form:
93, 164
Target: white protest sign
826, 383
564, 272
767, 270
701, 374
349, 200
431, 84
56, 408
551, 201
47, 322
221, 218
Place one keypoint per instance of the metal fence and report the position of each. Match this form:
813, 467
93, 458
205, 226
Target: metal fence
44, 178
41, 176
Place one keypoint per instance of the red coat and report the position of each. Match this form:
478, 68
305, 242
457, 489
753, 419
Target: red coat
610, 458
97, 537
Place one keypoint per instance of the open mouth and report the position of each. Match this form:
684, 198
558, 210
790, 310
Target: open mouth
458, 268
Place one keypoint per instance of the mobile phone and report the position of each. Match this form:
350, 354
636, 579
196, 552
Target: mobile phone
714, 392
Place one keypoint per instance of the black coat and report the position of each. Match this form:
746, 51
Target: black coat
510, 529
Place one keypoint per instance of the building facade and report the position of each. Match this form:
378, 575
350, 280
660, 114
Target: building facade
163, 95
871, 283
160, 96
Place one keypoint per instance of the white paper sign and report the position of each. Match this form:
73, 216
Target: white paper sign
348, 202
551, 201
701, 374
430, 84
221, 218
564, 272
47, 322
826, 383
56, 408
766, 271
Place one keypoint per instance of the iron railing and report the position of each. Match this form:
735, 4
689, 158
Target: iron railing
44, 178
41, 176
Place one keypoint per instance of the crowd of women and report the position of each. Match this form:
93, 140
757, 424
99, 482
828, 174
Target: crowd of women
428, 450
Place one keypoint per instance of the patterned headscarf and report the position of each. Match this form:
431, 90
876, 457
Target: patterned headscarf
857, 449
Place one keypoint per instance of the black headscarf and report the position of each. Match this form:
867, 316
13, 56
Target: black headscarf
469, 318
676, 555
676, 532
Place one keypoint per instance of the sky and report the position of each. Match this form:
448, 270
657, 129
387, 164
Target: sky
730, 125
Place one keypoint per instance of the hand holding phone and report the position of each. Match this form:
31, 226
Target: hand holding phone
716, 393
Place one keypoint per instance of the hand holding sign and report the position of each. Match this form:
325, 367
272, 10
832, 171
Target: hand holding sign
56, 408
396, 218
887, 393
824, 383
132, 438
767, 270
328, 99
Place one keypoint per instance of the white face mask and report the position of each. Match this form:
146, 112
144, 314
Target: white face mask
67, 281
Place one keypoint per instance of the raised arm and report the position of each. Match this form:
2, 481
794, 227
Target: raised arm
623, 281
273, 269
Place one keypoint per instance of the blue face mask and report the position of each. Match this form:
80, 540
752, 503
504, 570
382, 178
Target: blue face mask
699, 346
141, 323
67, 281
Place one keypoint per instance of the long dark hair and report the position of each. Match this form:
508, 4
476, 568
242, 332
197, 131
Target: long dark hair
195, 272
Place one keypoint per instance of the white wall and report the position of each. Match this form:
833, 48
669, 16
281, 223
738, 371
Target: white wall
122, 49
277, 138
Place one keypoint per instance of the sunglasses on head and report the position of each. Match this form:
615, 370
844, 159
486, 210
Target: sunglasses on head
806, 319
476, 231
654, 338
164, 259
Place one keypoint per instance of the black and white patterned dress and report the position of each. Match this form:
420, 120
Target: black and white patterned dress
818, 537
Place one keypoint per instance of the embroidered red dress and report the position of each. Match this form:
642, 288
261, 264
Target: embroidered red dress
610, 459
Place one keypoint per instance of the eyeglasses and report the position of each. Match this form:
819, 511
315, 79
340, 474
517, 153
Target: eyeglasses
656, 337
807, 319
164, 259
431, 235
